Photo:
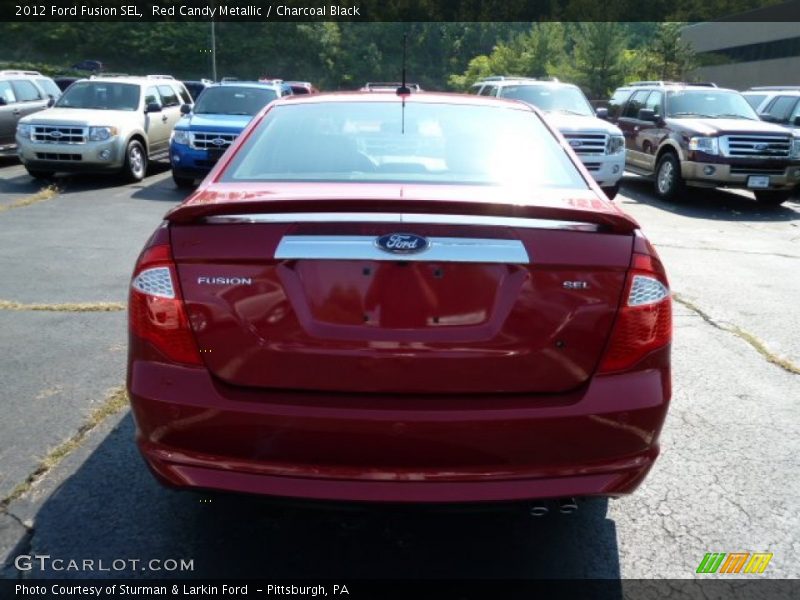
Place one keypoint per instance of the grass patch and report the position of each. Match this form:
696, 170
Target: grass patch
67, 307
114, 402
46, 193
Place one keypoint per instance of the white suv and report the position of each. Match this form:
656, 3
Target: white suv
103, 124
599, 144
22, 93
776, 104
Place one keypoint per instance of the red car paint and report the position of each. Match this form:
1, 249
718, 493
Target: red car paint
396, 380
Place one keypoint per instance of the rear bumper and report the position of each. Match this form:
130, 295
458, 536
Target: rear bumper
195, 432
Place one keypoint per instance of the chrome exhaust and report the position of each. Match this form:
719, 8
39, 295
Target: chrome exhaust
538, 510
567, 506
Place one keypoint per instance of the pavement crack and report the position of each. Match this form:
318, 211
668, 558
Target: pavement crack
746, 336
46, 193
65, 307
116, 400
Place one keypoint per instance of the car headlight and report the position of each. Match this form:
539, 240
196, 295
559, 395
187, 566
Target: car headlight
615, 144
101, 134
708, 145
795, 149
180, 136
24, 130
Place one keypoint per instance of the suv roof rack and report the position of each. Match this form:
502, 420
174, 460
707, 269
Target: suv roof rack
20, 72
766, 88
160, 77
109, 75
661, 83
515, 78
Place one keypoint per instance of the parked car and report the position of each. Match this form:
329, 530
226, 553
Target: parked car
701, 135
302, 87
202, 136
780, 105
114, 124
63, 81
598, 144
196, 87
94, 66
21, 93
417, 298
389, 86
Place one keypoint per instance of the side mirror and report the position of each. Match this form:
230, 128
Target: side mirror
767, 117
50, 101
3, 101
796, 121
602, 113
153, 107
186, 109
647, 114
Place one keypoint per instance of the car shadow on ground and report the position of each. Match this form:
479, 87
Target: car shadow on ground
112, 508
712, 204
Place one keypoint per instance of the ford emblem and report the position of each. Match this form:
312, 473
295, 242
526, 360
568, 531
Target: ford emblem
56, 134
761, 147
575, 143
402, 243
218, 141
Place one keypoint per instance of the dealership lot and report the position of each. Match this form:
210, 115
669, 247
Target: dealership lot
728, 479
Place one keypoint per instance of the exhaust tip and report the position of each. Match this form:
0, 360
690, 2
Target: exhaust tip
538, 510
567, 506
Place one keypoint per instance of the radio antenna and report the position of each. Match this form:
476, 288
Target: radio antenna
404, 89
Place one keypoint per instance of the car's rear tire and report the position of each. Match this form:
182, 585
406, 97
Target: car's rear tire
36, 174
773, 198
135, 166
612, 191
183, 182
669, 184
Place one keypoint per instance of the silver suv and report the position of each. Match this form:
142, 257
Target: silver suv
598, 144
22, 93
776, 104
103, 124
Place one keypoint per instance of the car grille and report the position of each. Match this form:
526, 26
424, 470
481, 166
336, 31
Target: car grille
756, 171
206, 140
57, 156
592, 166
587, 143
58, 134
756, 146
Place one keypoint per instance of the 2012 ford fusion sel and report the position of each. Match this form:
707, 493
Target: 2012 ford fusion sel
405, 298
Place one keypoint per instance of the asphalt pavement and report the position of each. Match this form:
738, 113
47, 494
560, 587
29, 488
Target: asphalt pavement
73, 486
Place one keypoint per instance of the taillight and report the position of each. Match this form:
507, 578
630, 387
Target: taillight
644, 322
155, 310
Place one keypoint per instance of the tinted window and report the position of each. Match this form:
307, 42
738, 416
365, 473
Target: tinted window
551, 98
168, 95
617, 101
781, 107
234, 100
101, 95
755, 100
708, 104
49, 86
26, 91
635, 104
7, 92
186, 98
151, 96
410, 143
795, 113
488, 90
195, 88
654, 102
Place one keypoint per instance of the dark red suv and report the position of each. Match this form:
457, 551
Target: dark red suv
415, 298
704, 136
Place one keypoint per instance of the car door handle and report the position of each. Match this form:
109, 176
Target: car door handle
163, 118
15, 111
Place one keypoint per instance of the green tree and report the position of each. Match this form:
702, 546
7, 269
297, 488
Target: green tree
598, 57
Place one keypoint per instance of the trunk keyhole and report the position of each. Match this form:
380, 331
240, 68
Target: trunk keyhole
560, 343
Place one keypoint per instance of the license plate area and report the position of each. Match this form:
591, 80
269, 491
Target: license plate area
758, 182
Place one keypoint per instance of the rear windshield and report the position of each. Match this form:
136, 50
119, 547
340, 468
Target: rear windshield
417, 143
551, 98
709, 104
101, 95
233, 100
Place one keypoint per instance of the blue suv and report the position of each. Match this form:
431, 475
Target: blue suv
220, 114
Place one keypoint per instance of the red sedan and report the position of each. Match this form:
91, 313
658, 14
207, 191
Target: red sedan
408, 298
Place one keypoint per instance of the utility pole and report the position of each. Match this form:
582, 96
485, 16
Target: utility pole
213, 51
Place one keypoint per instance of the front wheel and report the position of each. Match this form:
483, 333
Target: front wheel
773, 198
36, 174
612, 191
183, 182
669, 183
135, 165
